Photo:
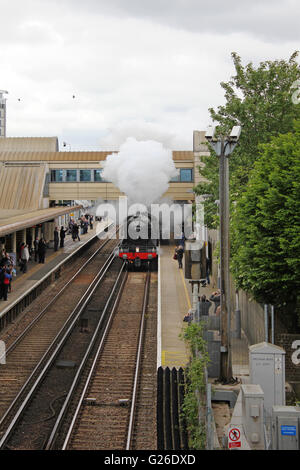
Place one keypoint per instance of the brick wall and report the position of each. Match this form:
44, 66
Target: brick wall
286, 341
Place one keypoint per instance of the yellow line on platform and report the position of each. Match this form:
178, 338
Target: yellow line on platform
186, 291
177, 358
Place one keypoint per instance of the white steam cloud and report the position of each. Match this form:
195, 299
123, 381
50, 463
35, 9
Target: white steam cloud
142, 170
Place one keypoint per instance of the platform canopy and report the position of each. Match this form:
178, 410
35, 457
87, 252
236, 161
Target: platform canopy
10, 221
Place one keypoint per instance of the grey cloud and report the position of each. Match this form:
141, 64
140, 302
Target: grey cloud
271, 20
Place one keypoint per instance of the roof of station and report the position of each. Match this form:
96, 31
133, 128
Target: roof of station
12, 156
28, 144
12, 221
21, 188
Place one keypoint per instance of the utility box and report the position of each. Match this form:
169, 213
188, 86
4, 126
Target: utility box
267, 368
194, 260
285, 427
253, 415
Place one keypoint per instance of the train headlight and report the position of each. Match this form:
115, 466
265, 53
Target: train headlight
137, 249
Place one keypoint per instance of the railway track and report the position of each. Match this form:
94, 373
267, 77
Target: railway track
35, 410
119, 384
25, 352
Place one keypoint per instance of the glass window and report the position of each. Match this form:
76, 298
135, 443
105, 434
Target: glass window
98, 175
186, 175
71, 175
57, 176
175, 178
85, 175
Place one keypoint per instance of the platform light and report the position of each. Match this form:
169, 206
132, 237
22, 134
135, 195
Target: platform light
223, 147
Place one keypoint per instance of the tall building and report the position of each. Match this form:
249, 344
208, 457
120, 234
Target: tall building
2, 113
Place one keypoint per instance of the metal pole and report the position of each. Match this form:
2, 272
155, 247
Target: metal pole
266, 324
272, 325
225, 369
227, 278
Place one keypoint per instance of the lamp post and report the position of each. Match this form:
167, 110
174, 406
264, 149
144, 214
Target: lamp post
223, 148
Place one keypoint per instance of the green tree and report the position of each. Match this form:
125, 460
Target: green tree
259, 99
266, 226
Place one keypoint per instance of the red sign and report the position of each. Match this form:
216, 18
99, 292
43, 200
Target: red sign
234, 444
234, 435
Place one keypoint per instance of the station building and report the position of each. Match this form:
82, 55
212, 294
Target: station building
42, 187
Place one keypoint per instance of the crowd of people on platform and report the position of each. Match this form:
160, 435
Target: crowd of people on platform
36, 250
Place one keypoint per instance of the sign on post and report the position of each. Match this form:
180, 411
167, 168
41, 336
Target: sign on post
234, 437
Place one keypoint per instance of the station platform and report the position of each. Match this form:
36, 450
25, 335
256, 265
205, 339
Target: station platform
23, 282
175, 300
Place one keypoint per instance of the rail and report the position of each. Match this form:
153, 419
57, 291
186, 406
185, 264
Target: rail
43, 311
50, 355
138, 362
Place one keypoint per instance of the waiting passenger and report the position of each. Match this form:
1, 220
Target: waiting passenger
216, 298
5, 279
62, 235
75, 232
36, 248
179, 253
42, 250
24, 258
56, 239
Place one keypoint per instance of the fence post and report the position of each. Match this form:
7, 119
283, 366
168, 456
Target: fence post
266, 323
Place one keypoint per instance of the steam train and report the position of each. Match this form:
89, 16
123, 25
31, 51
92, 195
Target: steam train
138, 249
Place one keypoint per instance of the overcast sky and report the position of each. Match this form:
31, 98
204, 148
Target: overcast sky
148, 69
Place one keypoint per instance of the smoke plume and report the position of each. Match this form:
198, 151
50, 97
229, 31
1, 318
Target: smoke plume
141, 169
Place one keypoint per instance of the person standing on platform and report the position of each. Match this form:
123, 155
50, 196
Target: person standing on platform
216, 298
179, 252
207, 270
62, 235
6, 281
56, 239
20, 251
36, 248
42, 250
24, 258
75, 232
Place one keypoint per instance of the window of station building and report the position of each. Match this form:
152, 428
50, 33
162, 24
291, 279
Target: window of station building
85, 175
185, 176
57, 176
98, 175
175, 179
71, 175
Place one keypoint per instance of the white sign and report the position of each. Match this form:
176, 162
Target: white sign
234, 437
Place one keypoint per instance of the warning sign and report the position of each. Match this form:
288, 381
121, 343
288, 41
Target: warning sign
234, 437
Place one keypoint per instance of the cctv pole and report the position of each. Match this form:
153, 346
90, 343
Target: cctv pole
223, 148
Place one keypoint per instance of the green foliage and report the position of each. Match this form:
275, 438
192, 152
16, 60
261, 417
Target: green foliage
266, 225
195, 385
260, 100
